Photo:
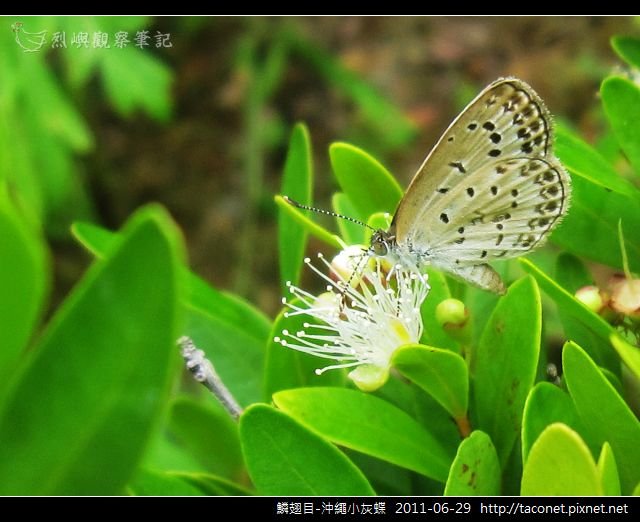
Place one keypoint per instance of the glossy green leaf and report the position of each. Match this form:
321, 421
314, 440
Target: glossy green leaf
545, 405
621, 101
433, 334
476, 469
628, 353
285, 458
560, 463
230, 331
165, 453
441, 373
434, 418
352, 233
309, 225
374, 427
210, 434
581, 159
369, 186
590, 228
136, 79
385, 478
574, 308
608, 471
227, 307
628, 48
505, 364
104, 362
571, 275
161, 483
297, 183
236, 354
636, 490
286, 368
604, 413
24, 274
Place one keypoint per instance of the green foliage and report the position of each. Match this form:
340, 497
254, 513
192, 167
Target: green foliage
43, 131
604, 412
441, 373
476, 469
105, 361
297, 183
285, 458
560, 464
415, 449
90, 404
24, 274
505, 364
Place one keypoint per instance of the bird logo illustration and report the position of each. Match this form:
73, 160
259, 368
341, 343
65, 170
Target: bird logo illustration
30, 42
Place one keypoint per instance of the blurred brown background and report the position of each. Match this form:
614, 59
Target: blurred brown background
217, 164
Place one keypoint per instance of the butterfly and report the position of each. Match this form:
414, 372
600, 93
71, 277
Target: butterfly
491, 188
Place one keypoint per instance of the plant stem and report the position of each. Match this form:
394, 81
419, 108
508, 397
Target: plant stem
204, 372
464, 426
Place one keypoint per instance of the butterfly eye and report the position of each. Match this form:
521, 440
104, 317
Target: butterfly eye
379, 246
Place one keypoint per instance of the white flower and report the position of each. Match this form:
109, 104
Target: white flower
362, 318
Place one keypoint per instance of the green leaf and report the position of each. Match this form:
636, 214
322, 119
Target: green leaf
285, 458
384, 477
105, 362
590, 228
628, 353
237, 355
24, 279
628, 48
352, 233
603, 412
608, 471
621, 101
369, 186
201, 296
441, 373
52, 109
286, 368
136, 79
374, 427
572, 275
560, 464
230, 331
297, 183
581, 159
505, 364
476, 469
213, 485
310, 226
574, 308
210, 434
545, 405
433, 334
161, 483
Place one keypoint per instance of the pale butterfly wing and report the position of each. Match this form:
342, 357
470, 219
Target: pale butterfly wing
491, 187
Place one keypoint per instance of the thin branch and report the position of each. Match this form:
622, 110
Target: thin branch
204, 372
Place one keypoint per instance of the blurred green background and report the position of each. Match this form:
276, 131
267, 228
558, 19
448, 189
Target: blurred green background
92, 133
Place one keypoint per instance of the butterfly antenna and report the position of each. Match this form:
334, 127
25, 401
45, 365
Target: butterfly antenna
357, 270
326, 212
